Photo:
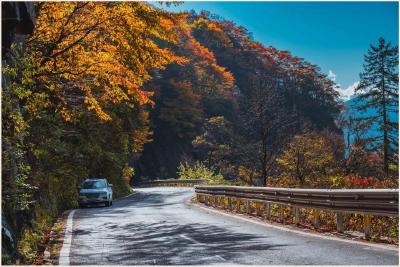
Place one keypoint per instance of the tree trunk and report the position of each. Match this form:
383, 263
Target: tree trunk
264, 163
385, 122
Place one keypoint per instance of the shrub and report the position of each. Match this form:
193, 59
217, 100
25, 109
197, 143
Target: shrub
199, 171
34, 239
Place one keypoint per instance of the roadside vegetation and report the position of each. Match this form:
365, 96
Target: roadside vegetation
128, 92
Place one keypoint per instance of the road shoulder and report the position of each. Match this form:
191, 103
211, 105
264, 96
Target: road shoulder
289, 228
51, 254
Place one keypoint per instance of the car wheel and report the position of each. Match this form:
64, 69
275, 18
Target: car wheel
111, 203
107, 203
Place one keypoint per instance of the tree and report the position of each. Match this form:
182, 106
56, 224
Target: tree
214, 145
378, 87
266, 127
93, 53
185, 95
74, 103
276, 94
309, 159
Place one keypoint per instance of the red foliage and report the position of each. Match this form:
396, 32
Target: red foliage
362, 182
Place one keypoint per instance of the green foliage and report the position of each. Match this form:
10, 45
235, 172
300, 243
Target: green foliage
70, 114
199, 171
379, 89
17, 88
179, 109
214, 145
33, 239
127, 174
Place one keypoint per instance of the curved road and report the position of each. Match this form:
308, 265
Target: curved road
156, 226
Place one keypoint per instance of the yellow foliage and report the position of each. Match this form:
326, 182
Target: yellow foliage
308, 159
94, 53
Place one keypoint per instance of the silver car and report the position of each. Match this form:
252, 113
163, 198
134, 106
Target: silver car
95, 191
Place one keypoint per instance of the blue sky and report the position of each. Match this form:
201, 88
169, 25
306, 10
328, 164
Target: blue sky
333, 35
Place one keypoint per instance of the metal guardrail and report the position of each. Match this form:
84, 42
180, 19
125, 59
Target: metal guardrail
382, 202
173, 182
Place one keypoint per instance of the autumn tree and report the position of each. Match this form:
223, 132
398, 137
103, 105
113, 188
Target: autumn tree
185, 95
308, 159
277, 93
378, 88
93, 53
75, 104
307, 91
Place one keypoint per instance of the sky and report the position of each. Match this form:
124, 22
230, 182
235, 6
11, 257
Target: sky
332, 35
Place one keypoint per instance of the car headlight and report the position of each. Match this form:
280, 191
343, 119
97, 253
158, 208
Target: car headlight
103, 194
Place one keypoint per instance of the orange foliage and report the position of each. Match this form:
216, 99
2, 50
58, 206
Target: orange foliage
205, 63
369, 182
100, 52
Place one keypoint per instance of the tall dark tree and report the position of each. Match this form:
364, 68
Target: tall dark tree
266, 125
378, 89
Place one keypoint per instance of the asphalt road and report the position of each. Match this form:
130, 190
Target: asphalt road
156, 226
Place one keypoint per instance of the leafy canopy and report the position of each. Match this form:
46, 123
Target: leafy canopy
94, 53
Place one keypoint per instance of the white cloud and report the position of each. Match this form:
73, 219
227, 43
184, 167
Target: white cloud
348, 92
332, 75
345, 93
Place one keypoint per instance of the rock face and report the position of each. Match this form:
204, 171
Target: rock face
18, 18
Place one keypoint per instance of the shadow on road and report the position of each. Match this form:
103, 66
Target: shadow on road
159, 241
163, 243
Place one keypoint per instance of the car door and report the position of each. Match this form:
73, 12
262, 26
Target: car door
110, 193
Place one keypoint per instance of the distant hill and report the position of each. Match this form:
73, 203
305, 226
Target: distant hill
352, 108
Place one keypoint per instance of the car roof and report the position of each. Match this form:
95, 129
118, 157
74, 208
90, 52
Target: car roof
96, 179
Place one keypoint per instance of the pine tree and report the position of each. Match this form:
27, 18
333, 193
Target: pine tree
378, 89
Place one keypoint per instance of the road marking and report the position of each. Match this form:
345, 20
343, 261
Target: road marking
190, 239
66, 247
219, 257
237, 216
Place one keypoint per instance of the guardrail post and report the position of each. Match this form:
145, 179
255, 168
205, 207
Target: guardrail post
339, 222
248, 207
296, 215
214, 201
238, 205
258, 209
229, 203
267, 211
316, 218
282, 213
367, 226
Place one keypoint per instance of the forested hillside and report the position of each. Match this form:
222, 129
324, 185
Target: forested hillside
129, 92
261, 95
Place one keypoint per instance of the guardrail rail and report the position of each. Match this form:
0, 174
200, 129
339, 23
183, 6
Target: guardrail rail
173, 182
382, 202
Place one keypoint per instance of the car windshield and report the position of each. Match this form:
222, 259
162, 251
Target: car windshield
94, 184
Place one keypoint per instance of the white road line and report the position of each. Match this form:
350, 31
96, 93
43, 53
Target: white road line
239, 216
66, 247
190, 239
